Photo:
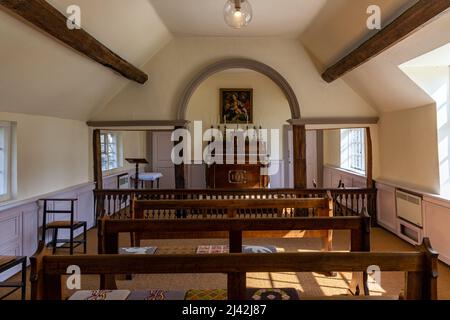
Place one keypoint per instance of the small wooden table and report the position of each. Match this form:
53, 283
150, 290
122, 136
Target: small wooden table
137, 162
7, 263
149, 176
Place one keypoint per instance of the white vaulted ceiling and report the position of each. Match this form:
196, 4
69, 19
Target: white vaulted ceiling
39, 75
270, 18
341, 26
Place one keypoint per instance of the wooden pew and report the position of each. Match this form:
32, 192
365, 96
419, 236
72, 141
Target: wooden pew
231, 208
359, 226
420, 267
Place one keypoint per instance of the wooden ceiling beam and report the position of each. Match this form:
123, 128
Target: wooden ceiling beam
47, 18
407, 23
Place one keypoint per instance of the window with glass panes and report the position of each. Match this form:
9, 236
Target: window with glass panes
110, 151
4, 160
356, 149
353, 149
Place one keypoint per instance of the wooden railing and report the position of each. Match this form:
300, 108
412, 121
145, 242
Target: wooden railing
346, 202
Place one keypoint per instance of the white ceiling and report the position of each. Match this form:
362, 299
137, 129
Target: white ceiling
40, 75
341, 26
205, 17
437, 57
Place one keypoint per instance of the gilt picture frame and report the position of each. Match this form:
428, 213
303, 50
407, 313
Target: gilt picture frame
236, 106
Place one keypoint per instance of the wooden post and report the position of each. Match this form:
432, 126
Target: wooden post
98, 174
319, 144
369, 157
110, 246
235, 241
53, 292
299, 146
237, 286
236, 281
360, 242
428, 278
326, 235
180, 168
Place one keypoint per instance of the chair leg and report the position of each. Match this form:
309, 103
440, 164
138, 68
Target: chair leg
85, 238
71, 241
24, 279
44, 231
55, 237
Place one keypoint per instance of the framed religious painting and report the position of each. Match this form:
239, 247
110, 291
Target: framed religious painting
236, 106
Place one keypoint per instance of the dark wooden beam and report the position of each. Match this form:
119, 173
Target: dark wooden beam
410, 21
299, 147
137, 123
47, 18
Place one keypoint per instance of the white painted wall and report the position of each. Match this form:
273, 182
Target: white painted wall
270, 107
174, 66
55, 154
435, 81
52, 154
332, 147
408, 148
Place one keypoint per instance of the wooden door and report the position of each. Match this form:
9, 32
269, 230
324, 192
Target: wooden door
161, 158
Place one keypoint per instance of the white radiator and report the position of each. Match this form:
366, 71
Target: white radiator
409, 207
123, 181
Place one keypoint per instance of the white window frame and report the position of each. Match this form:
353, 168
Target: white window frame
6, 126
118, 150
351, 149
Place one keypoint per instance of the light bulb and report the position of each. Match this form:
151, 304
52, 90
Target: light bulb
238, 14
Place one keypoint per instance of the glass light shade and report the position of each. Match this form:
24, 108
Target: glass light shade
238, 17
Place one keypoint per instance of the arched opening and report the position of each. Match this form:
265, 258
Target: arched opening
239, 63
274, 103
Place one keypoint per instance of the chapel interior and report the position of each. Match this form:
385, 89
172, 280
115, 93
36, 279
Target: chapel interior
226, 149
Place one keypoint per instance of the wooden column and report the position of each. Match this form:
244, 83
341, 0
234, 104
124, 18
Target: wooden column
369, 161
180, 182
319, 144
299, 150
99, 205
97, 151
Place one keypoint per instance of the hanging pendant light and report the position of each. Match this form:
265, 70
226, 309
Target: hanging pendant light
238, 13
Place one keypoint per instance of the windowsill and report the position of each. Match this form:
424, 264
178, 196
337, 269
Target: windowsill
4, 200
348, 171
118, 171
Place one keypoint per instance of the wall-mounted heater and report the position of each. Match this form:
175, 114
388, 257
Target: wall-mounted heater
123, 181
410, 217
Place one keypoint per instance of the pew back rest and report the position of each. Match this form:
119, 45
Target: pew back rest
420, 267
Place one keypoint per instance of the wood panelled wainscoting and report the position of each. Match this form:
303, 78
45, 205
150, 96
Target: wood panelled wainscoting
435, 217
21, 221
435, 210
